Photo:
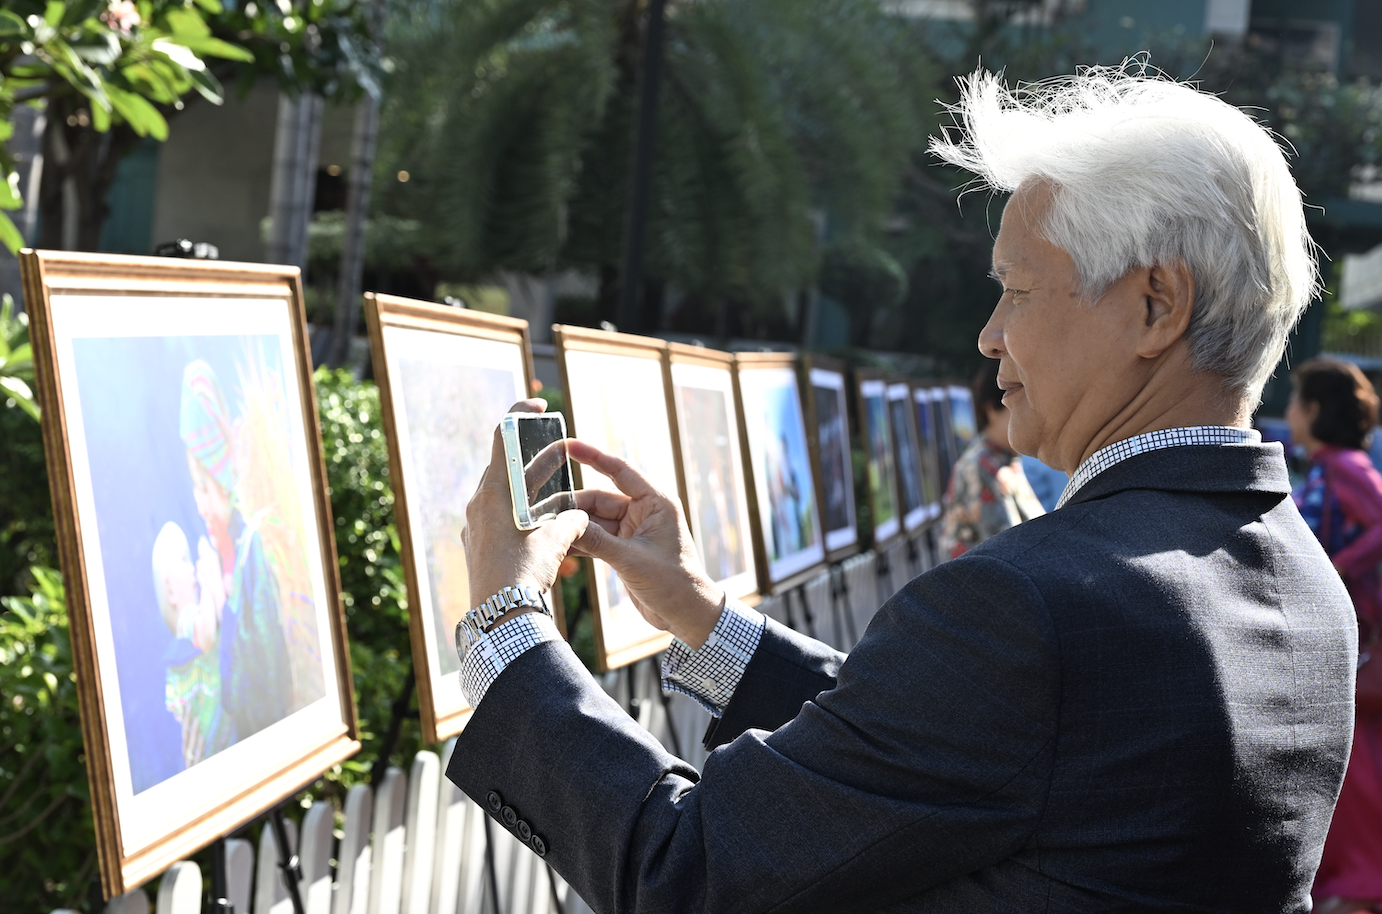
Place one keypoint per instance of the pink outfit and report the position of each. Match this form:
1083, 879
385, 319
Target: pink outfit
1352, 863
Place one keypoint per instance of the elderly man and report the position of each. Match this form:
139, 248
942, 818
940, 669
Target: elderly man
1141, 701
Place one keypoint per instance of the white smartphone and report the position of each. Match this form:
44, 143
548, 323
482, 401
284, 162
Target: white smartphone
538, 465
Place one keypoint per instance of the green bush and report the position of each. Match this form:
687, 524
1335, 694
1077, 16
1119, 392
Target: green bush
47, 840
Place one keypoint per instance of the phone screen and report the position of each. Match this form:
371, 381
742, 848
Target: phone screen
546, 488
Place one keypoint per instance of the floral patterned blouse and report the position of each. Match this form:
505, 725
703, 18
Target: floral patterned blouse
988, 493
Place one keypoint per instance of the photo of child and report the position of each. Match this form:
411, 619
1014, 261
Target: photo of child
190, 597
179, 455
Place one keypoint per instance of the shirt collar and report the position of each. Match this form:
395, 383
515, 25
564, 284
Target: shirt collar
1119, 451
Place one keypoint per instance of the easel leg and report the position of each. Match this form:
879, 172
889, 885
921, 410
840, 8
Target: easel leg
220, 888
671, 724
490, 871
848, 608
805, 610
288, 862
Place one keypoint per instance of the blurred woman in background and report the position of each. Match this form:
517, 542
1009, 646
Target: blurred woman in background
988, 492
1332, 412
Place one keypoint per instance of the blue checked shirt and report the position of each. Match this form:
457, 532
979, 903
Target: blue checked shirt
711, 674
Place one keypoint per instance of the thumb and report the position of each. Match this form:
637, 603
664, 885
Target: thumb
568, 527
599, 543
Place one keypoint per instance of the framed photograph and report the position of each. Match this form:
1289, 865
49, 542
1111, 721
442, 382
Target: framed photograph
195, 535
705, 424
446, 376
915, 509
827, 420
927, 440
617, 399
880, 467
787, 523
962, 420
947, 448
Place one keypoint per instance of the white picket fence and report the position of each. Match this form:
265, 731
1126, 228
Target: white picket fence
420, 846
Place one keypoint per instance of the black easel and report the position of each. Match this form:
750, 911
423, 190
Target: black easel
841, 605
800, 591
489, 866
883, 568
667, 710
220, 889
288, 862
631, 703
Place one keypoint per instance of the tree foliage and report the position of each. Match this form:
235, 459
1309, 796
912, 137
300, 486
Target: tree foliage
514, 119
122, 59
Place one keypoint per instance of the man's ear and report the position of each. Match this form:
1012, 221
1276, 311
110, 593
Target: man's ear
1169, 297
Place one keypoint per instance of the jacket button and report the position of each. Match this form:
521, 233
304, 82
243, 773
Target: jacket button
539, 846
494, 801
525, 831
508, 815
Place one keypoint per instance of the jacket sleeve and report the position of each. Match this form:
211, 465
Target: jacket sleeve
928, 759
787, 670
1358, 488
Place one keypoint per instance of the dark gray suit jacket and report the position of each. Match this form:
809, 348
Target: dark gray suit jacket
1142, 701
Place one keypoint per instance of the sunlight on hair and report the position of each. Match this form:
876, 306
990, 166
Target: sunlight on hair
1147, 170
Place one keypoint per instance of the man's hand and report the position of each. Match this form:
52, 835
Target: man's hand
497, 553
642, 534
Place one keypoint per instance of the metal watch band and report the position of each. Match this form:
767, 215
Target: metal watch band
482, 618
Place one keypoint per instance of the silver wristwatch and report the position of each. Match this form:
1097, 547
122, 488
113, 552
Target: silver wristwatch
482, 618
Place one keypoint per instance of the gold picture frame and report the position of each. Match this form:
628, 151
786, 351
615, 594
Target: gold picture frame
446, 376
880, 466
144, 427
618, 399
784, 510
710, 466
826, 393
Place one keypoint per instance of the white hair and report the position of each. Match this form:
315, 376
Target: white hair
1145, 171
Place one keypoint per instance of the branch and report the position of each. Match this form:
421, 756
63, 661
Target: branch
32, 92
58, 801
18, 778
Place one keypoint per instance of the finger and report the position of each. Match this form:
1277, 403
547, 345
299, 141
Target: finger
496, 457
542, 467
630, 481
603, 503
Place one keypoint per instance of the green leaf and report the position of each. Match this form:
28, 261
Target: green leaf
9, 192
22, 395
215, 47
12, 24
9, 234
143, 117
179, 53
211, 6
187, 23
208, 85
52, 15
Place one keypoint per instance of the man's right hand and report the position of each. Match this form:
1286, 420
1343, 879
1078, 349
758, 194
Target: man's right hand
643, 535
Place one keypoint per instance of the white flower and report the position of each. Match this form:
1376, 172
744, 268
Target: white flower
121, 15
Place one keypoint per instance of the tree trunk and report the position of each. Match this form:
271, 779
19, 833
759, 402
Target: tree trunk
294, 183
79, 168
352, 269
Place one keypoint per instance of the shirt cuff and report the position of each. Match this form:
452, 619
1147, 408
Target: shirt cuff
500, 646
711, 674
